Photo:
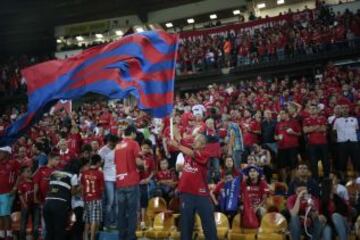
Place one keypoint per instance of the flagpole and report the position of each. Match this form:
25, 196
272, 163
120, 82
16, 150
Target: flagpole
171, 128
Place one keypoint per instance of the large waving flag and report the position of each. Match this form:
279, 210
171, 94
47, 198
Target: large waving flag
141, 64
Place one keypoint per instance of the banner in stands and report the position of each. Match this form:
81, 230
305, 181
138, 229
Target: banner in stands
257, 24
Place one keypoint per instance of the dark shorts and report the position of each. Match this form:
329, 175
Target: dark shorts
287, 158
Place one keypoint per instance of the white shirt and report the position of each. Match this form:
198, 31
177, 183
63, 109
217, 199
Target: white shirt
107, 155
342, 192
198, 109
346, 128
77, 200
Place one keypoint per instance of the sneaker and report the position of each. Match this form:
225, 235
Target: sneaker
142, 226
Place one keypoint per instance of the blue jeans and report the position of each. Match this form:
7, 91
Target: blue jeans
214, 169
191, 204
111, 206
273, 147
340, 225
296, 228
128, 203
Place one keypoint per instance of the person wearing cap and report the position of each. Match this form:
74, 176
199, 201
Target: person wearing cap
255, 188
194, 191
8, 178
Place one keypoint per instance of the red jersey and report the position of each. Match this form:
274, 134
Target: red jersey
65, 158
165, 175
303, 206
150, 166
26, 190
9, 171
316, 137
256, 193
41, 178
288, 140
92, 182
126, 153
74, 143
249, 137
193, 179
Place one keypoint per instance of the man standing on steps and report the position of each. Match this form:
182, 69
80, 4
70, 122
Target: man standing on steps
127, 162
194, 191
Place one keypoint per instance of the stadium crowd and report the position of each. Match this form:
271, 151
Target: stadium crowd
259, 133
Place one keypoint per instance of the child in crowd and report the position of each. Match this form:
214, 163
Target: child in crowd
92, 183
229, 166
26, 195
166, 180
254, 190
146, 176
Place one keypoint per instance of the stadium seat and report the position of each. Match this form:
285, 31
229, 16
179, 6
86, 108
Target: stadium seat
222, 226
15, 221
238, 233
273, 227
156, 205
174, 205
163, 224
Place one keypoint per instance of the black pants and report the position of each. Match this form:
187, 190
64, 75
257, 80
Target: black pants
78, 228
56, 215
348, 150
34, 213
318, 152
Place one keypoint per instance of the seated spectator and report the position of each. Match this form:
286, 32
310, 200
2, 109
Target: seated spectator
304, 208
254, 190
335, 212
166, 181
303, 176
229, 167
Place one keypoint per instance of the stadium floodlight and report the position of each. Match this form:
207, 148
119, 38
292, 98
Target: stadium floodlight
190, 21
279, 2
58, 40
169, 25
261, 5
139, 29
79, 38
119, 32
213, 16
99, 35
236, 12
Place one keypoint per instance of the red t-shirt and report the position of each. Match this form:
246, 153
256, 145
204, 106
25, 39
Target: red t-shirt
249, 137
74, 143
65, 158
288, 140
316, 137
92, 182
9, 171
26, 190
126, 153
255, 192
41, 177
150, 163
303, 206
165, 175
193, 179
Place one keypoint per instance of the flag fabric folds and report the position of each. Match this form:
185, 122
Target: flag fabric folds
141, 64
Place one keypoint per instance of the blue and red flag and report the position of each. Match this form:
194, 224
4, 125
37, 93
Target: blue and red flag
141, 64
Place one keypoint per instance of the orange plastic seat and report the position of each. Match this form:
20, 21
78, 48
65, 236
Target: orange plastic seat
222, 226
162, 227
273, 227
155, 205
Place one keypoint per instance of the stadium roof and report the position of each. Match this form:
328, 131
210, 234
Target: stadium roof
28, 25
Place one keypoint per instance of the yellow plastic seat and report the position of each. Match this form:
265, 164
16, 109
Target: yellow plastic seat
155, 205
238, 233
162, 227
273, 227
222, 226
